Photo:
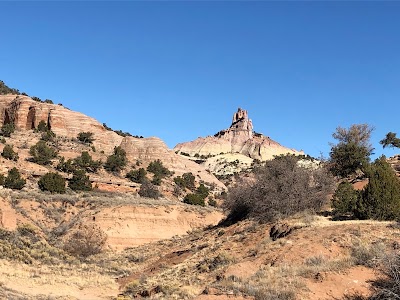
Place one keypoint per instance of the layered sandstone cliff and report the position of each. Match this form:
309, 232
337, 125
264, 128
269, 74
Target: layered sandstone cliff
238, 138
26, 114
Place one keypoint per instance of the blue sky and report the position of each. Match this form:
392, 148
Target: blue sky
179, 70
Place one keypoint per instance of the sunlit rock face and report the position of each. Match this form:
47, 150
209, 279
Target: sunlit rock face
238, 138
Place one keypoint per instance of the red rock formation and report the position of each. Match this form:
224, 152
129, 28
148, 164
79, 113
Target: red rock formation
26, 114
238, 138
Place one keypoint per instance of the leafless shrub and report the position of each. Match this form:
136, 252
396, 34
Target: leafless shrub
85, 241
282, 187
366, 254
388, 286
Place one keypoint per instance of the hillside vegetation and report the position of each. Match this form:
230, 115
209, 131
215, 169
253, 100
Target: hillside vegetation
77, 222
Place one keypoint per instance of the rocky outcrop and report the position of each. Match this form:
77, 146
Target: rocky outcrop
26, 114
238, 138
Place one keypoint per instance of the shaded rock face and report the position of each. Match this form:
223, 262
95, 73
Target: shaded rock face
26, 114
238, 138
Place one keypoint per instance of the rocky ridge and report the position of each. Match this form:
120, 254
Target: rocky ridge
239, 139
26, 114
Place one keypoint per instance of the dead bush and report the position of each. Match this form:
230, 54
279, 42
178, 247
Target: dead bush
85, 241
280, 188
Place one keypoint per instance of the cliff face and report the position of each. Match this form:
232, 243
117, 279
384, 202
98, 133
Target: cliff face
26, 114
238, 138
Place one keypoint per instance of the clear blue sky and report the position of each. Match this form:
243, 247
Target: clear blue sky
179, 70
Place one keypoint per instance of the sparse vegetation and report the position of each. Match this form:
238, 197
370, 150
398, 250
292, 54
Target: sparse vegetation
52, 182
9, 153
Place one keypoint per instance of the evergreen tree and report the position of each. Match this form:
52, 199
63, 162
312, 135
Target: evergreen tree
352, 151
86, 162
390, 140
381, 196
7, 129
14, 180
42, 126
41, 153
157, 168
80, 181
138, 176
345, 200
117, 161
9, 153
52, 182
86, 137
65, 166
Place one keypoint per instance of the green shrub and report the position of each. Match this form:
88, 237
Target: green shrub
48, 136
345, 199
117, 161
86, 162
66, 166
52, 182
86, 137
194, 199
9, 153
138, 176
7, 129
186, 181
212, 202
202, 190
157, 168
80, 181
156, 180
42, 127
41, 153
14, 180
148, 190
352, 152
381, 196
